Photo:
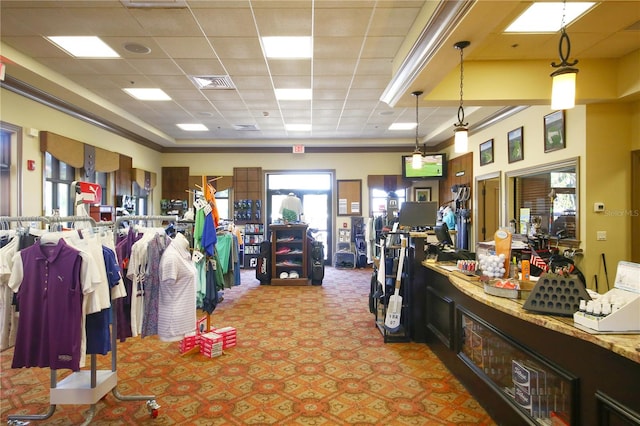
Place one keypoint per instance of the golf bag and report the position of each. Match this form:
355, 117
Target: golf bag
317, 263
361, 251
263, 265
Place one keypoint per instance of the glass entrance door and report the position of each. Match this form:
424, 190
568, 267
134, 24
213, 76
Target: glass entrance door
314, 190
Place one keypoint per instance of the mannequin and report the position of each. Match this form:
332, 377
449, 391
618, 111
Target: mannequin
177, 300
291, 208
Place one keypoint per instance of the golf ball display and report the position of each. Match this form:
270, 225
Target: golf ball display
492, 265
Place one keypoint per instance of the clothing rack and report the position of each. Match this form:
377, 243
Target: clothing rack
20, 219
84, 386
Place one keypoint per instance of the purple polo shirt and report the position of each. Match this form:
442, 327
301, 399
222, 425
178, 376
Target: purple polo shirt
50, 297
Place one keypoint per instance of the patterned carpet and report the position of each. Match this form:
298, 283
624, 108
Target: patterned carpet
305, 356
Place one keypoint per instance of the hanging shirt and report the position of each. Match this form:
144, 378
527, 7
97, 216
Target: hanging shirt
291, 208
49, 285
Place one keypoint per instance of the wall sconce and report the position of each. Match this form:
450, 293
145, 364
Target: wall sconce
461, 132
416, 157
563, 89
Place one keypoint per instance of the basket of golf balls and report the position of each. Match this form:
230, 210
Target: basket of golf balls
491, 265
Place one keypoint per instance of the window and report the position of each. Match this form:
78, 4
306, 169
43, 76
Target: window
5, 172
378, 201
550, 197
57, 187
222, 203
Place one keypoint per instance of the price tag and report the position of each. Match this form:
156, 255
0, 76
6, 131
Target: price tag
207, 209
197, 256
199, 204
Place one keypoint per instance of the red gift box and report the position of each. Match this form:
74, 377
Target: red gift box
229, 335
211, 344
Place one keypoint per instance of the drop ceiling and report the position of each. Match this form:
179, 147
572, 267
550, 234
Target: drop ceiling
359, 48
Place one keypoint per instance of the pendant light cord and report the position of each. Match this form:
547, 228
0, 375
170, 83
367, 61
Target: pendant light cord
417, 122
461, 108
461, 45
417, 95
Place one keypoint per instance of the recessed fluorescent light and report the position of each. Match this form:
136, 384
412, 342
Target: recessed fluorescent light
193, 127
298, 127
402, 126
293, 94
547, 17
84, 46
148, 94
287, 47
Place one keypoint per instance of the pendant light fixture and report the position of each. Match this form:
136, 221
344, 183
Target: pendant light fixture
461, 132
563, 89
416, 157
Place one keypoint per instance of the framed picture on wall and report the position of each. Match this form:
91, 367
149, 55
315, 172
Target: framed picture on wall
486, 152
515, 145
554, 134
422, 194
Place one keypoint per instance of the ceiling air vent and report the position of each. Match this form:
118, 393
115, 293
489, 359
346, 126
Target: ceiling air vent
245, 127
212, 82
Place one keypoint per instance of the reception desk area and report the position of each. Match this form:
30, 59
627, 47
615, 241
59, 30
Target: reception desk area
524, 367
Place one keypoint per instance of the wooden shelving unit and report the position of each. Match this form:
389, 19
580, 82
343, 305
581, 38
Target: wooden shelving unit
289, 253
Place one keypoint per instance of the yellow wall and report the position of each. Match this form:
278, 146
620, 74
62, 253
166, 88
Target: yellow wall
608, 175
601, 137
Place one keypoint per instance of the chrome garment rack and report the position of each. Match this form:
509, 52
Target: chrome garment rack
84, 386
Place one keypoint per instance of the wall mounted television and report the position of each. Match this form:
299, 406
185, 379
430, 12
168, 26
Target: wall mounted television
434, 166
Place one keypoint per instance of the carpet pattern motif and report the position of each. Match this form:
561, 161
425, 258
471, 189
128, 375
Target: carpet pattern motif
305, 356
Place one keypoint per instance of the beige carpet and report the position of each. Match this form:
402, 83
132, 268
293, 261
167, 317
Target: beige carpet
305, 356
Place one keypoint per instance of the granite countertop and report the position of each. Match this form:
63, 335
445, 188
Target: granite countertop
626, 345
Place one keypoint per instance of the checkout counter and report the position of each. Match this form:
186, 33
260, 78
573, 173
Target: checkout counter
523, 367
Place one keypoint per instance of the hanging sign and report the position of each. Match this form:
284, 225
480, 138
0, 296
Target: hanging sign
88, 192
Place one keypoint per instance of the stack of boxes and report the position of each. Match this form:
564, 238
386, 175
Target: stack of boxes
189, 341
228, 336
211, 344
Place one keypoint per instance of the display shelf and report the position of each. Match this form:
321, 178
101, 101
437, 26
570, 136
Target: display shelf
289, 254
76, 388
253, 236
529, 383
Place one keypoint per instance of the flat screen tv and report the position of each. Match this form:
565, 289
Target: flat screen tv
434, 166
418, 214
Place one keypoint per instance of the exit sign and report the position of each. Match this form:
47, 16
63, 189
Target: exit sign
298, 149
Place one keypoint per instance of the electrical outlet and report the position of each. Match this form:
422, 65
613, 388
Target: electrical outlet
598, 207
601, 235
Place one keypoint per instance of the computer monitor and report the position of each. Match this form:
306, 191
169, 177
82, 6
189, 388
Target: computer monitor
442, 234
415, 214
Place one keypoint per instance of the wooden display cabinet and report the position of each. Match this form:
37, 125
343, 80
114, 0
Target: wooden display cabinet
289, 253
